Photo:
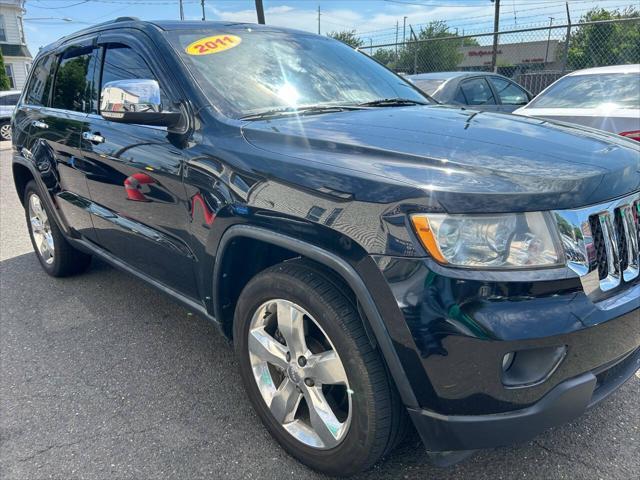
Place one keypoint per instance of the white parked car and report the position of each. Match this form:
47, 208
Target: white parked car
607, 98
8, 100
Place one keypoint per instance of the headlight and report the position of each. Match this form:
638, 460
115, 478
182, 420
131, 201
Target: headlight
515, 240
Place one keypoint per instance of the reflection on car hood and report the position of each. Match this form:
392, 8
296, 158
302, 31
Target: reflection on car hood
467, 161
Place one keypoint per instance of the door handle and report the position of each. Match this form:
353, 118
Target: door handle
39, 124
93, 137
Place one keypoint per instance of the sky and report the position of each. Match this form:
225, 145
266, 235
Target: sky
373, 20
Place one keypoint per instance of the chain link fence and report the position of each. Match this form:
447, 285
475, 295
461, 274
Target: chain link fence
533, 57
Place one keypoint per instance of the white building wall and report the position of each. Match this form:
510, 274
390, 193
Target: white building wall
11, 12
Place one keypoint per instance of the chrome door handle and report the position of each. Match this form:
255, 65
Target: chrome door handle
93, 137
39, 124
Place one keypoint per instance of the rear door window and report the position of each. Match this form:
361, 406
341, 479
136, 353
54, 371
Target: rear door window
477, 91
39, 87
508, 92
74, 87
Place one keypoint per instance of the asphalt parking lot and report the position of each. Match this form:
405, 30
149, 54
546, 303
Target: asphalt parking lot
102, 377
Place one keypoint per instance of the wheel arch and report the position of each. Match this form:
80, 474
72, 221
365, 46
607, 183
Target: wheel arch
21, 177
287, 247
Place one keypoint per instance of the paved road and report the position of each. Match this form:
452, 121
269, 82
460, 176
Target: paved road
104, 378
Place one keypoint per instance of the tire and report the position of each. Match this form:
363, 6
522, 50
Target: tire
5, 131
375, 419
57, 257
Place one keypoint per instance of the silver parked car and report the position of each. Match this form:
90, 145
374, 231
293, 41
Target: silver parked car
607, 98
488, 92
8, 100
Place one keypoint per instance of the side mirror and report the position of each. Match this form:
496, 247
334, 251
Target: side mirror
135, 101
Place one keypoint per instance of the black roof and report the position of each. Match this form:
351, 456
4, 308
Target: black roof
166, 25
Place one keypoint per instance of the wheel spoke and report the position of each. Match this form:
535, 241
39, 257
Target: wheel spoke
36, 224
326, 368
291, 326
285, 401
267, 348
323, 420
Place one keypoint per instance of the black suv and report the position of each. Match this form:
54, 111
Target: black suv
379, 260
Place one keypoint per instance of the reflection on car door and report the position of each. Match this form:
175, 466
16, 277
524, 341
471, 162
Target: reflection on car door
140, 212
55, 131
477, 93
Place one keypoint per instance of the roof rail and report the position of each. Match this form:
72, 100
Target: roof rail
127, 19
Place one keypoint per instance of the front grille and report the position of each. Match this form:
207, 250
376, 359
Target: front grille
622, 239
602, 242
598, 242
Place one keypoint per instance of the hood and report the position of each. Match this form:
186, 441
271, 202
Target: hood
467, 161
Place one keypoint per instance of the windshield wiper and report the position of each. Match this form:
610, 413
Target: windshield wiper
311, 109
392, 102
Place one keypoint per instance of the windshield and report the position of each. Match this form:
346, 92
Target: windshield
613, 90
249, 71
429, 85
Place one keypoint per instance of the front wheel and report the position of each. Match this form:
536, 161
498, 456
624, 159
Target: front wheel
311, 373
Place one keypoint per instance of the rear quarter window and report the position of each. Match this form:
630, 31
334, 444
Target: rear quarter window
40, 82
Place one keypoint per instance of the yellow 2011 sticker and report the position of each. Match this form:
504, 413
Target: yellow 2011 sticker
214, 44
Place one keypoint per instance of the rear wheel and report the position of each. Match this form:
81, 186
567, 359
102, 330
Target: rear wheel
5, 131
56, 255
311, 372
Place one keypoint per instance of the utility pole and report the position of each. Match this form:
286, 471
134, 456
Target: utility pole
404, 30
496, 26
181, 11
203, 15
260, 11
546, 54
396, 40
319, 20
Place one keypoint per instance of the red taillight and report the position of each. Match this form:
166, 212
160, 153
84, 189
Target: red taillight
633, 135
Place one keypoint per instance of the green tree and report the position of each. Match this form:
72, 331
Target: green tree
349, 37
4, 79
386, 56
437, 50
71, 85
605, 44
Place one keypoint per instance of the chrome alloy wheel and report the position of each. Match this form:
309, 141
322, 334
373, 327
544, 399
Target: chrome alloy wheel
5, 132
299, 374
41, 229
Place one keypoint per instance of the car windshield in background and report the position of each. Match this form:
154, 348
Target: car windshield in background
430, 85
251, 71
613, 90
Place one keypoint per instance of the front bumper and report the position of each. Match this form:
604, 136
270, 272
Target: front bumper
453, 334
566, 401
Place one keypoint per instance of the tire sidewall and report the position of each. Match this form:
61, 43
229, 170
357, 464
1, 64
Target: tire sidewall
354, 448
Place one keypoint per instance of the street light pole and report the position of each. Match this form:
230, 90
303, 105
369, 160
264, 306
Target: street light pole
546, 54
496, 26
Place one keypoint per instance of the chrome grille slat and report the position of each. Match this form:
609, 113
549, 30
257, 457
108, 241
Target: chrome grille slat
585, 229
612, 280
631, 237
